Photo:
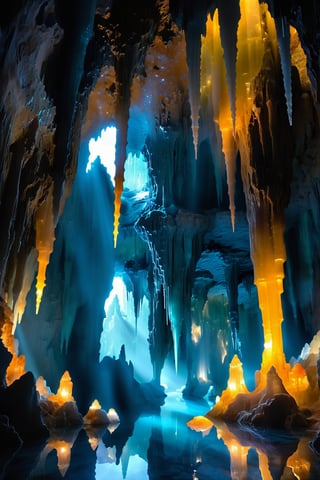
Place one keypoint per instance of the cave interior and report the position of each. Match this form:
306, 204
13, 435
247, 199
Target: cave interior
160, 235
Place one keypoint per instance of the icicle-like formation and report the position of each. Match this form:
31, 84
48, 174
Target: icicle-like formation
229, 14
118, 188
44, 242
28, 276
250, 47
193, 43
221, 104
122, 120
283, 35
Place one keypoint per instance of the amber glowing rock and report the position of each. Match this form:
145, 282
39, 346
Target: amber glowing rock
96, 415
44, 242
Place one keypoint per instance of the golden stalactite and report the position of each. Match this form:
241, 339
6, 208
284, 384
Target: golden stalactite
44, 242
214, 77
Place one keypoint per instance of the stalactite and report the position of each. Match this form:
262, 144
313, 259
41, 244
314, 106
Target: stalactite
250, 49
229, 15
283, 36
122, 118
44, 242
221, 103
193, 43
28, 275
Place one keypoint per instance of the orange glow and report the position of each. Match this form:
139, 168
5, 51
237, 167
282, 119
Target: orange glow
201, 424
63, 450
299, 463
117, 207
101, 104
28, 276
264, 465
95, 405
17, 365
298, 378
299, 59
196, 333
256, 35
64, 454
64, 393
42, 387
236, 385
215, 77
238, 453
16, 369
249, 60
44, 242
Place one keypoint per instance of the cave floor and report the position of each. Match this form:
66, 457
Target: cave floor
162, 446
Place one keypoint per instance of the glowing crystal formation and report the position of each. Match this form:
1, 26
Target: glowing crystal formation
238, 452
64, 393
44, 242
212, 54
236, 385
28, 276
17, 365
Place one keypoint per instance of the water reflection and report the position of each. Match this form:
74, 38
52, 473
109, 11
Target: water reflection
162, 447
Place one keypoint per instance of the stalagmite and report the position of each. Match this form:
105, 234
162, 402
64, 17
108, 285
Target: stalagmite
266, 235
64, 393
44, 242
236, 385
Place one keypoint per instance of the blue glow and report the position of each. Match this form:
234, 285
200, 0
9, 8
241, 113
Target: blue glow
136, 173
121, 327
104, 146
138, 470
136, 176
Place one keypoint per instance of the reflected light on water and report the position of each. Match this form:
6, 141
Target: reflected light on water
137, 469
163, 446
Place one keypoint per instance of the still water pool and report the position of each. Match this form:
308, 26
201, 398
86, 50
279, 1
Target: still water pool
159, 447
